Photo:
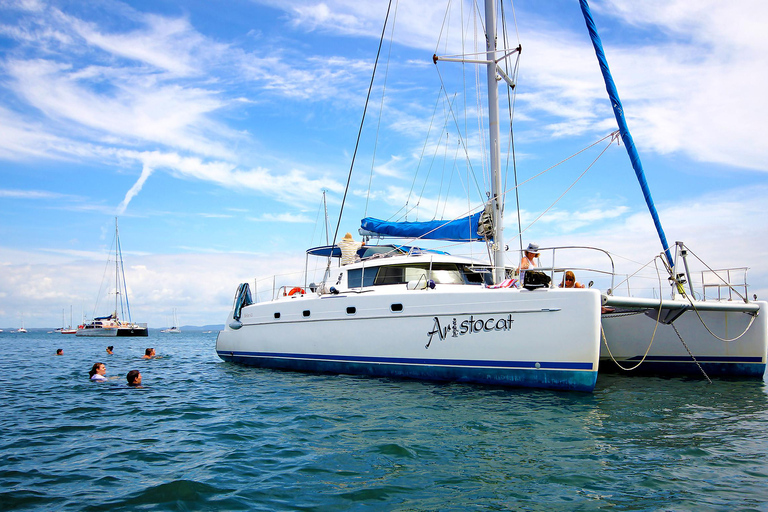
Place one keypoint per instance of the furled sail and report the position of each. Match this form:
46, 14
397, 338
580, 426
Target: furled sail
458, 230
618, 112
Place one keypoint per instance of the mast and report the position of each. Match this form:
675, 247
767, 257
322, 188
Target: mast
493, 136
117, 268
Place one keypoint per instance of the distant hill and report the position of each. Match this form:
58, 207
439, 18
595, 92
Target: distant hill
211, 327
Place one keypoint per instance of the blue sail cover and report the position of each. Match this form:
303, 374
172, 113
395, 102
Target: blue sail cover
618, 112
459, 230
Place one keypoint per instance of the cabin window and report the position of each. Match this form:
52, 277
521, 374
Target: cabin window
305, 313
396, 308
442, 273
359, 277
477, 277
277, 315
351, 310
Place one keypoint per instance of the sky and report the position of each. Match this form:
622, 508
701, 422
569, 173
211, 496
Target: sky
211, 131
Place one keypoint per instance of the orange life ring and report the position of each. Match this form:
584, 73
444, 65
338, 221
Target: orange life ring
295, 290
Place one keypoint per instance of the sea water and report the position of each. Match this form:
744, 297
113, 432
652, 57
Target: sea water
203, 434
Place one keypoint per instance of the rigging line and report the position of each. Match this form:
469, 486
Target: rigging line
462, 31
612, 134
629, 276
317, 217
485, 157
514, 20
434, 156
442, 27
463, 142
511, 98
360, 131
103, 277
381, 110
570, 187
125, 286
423, 149
450, 181
442, 177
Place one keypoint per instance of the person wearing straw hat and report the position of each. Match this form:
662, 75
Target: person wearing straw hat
529, 259
349, 249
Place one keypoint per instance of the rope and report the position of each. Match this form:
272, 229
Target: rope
653, 336
695, 309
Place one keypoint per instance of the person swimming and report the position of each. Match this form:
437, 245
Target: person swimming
134, 378
149, 353
109, 349
98, 372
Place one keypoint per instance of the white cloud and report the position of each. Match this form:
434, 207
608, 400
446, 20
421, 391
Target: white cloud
290, 218
202, 284
30, 194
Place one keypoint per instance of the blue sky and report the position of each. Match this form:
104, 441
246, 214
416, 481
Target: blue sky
212, 128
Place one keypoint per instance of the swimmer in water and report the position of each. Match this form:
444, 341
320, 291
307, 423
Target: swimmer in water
109, 349
98, 372
134, 378
59, 351
149, 353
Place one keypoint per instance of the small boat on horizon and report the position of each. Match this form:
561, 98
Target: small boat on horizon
174, 329
111, 325
69, 329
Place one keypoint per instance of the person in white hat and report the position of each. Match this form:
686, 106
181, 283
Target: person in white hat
349, 249
529, 259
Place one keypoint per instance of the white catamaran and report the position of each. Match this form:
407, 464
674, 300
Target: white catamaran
401, 311
111, 325
405, 312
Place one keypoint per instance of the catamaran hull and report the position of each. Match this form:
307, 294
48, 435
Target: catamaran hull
540, 339
112, 333
628, 336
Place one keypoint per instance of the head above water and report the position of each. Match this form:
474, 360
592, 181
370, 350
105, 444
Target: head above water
97, 368
133, 378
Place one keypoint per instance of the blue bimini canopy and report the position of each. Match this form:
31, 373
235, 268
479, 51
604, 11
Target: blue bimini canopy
459, 230
367, 251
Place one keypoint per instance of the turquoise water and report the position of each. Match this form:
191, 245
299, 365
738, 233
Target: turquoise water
207, 435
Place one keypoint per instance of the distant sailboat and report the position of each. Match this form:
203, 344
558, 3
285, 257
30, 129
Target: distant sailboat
69, 329
109, 326
175, 328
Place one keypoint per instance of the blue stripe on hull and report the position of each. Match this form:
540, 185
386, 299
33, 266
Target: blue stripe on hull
685, 367
562, 376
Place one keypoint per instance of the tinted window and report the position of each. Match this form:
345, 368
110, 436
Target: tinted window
361, 277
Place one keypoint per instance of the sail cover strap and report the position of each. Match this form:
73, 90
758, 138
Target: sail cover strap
618, 111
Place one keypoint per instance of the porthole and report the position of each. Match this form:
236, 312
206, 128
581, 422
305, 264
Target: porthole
277, 315
351, 310
305, 313
396, 308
